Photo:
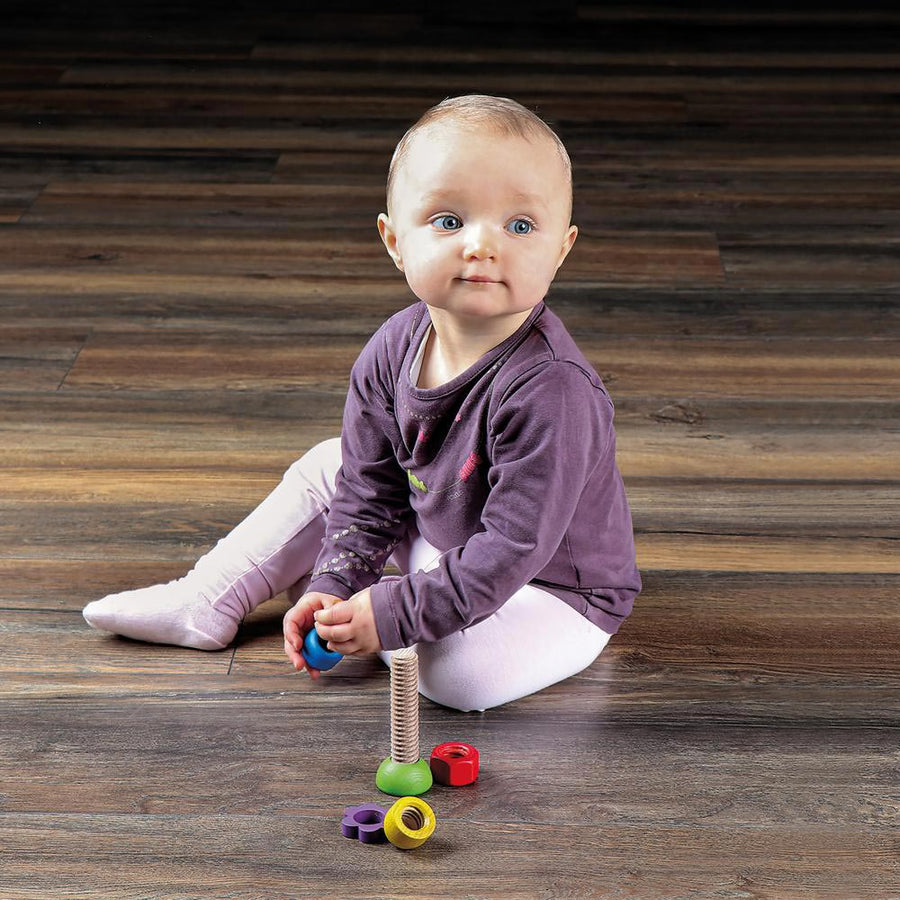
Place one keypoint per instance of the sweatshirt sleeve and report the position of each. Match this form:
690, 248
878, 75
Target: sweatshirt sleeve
549, 432
370, 510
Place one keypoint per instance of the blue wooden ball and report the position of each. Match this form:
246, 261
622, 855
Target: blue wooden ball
317, 654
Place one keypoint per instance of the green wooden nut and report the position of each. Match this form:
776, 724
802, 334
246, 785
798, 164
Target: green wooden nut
403, 779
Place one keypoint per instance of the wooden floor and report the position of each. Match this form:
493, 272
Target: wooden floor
189, 266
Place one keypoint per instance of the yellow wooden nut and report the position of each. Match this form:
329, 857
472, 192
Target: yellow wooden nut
409, 823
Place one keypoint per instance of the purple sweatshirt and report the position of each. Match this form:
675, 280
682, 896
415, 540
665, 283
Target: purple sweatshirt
509, 470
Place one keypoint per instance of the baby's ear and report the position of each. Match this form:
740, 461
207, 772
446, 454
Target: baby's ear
389, 236
568, 241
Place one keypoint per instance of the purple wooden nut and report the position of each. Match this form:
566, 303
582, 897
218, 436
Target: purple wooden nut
365, 822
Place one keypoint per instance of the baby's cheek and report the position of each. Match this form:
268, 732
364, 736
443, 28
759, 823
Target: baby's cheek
537, 279
421, 277
416, 282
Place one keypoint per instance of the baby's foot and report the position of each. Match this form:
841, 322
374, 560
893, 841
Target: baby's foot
164, 614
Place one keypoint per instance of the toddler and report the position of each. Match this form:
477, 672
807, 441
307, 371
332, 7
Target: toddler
477, 451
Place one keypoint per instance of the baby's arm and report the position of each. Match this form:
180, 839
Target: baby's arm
370, 511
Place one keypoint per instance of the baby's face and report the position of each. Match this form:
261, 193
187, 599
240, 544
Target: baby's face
479, 222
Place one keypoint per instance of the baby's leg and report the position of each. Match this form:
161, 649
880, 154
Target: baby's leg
273, 549
533, 640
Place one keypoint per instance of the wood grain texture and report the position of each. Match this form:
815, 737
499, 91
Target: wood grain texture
188, 269
299, 856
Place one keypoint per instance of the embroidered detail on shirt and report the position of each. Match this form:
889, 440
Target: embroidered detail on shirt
469, 466
412, 414
380, 523
473, 461
355, 560
350, 565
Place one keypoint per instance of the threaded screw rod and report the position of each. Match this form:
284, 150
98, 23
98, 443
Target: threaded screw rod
405, 706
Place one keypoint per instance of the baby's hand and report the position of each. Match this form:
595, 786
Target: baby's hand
298, 620
349, 627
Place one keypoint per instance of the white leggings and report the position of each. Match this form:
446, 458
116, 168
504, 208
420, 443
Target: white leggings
533, 640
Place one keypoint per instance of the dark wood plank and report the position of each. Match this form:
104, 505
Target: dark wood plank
17, 194
44, 166
729, 476
252, 205
57, 584
719, 367
173, 361
31, 360
131, 137
705, 205
168, 531
800, 58
300, 856
175, 432
749, 368
151, 531
43, 641
815, 509
766, 624
160, 762
740, 553
566, 84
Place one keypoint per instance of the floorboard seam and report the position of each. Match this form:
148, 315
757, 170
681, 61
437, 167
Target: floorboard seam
78, 352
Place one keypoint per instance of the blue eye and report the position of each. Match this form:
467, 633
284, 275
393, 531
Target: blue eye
447, 223
520, 226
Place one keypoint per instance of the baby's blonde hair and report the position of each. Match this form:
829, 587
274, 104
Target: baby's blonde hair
498, 114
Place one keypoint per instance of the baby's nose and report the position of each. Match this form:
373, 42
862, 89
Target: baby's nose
479, 243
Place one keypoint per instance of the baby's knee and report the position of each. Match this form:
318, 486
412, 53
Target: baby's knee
321, 461
326, 454
464, 688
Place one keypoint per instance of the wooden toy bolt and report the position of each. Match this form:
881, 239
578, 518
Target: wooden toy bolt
404, 773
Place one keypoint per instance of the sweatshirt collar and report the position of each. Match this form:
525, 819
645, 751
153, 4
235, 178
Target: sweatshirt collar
494, 357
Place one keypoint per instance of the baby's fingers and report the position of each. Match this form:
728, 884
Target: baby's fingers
292, 636
335, 634
290, 625
335, 615
297, 661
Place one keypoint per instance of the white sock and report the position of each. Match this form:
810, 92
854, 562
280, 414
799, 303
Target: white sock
164, 614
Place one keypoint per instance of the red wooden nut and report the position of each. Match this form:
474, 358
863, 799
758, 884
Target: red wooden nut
454, 763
